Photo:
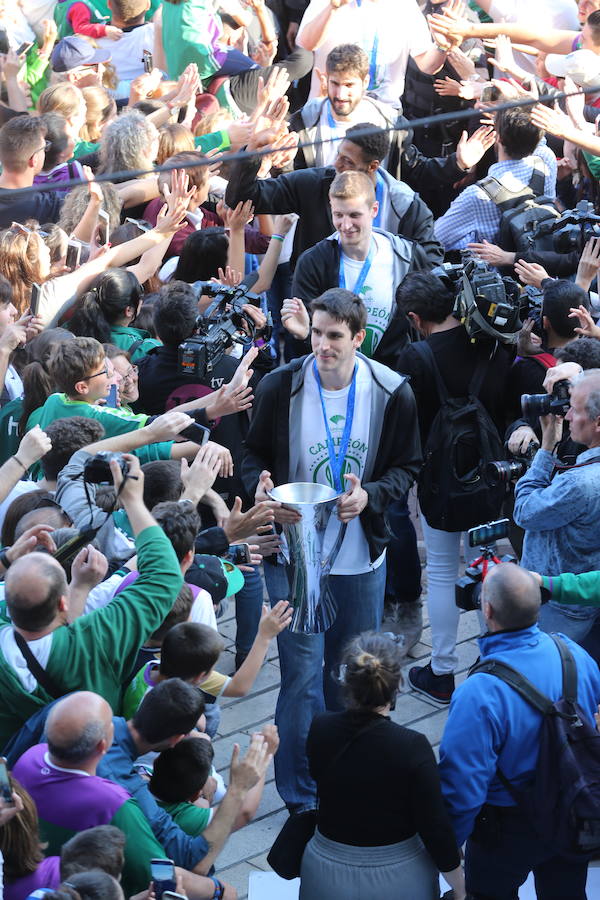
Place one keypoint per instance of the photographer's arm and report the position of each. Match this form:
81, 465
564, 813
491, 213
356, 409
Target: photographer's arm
583, 589
539, 500
163, 428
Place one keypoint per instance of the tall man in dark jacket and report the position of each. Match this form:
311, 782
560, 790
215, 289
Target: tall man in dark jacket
306, 192
334, 418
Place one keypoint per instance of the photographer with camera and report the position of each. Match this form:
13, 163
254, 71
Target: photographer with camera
474, 374
37, 602
559, 506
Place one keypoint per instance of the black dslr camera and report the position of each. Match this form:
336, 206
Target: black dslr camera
467, 590
224, 322
557, 403
96, 470
503, 471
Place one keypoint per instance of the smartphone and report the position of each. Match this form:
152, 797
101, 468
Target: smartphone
162, 872
147, 60
105, 219
6, 792
34, 303
111, 399
24, 48
239, 554
4, 42
142, 226
490, 94
199, 434
73, 254
488, 534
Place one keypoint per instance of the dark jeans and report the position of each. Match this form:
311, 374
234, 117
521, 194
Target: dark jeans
503, 850
243, 83
248, 608
403, 564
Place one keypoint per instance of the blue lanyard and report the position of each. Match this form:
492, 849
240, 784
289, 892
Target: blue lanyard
336, 461
373, 59
330, 120
379, 198
362, 275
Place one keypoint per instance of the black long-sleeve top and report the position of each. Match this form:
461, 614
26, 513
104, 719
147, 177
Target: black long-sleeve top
383, 789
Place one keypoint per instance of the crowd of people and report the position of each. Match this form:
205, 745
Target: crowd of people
249, 244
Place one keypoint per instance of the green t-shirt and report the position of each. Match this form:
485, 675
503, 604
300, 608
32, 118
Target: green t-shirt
216, 140
115, 421
126, 336
82, 148
191, 818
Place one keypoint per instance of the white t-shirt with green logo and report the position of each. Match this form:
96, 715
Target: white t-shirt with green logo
377, 292
313, 464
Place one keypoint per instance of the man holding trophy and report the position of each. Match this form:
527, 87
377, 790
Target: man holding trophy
339, 420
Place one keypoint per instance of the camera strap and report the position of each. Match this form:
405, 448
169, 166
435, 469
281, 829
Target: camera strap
560, 467
39, 673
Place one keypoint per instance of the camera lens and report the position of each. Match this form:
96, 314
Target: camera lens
504, 470
536, 405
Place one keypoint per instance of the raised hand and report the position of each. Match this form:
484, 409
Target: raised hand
470, 150
587, 326
530, 273
273, 621
295, 318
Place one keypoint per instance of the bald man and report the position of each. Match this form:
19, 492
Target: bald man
61, 777
490, 726
560, 509
94, 652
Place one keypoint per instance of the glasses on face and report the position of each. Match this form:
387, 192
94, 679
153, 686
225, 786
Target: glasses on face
130, 374
97, 374
45, 149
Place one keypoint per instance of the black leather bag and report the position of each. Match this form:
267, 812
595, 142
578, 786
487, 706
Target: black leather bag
285, 856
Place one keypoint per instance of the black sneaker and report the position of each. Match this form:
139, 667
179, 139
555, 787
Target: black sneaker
437, 687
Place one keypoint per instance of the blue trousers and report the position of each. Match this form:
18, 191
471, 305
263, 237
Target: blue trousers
248, 606
307, 662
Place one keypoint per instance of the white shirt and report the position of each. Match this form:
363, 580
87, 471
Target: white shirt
313, 464
15, 659
126, 55
401, 31
561, 14
377, 293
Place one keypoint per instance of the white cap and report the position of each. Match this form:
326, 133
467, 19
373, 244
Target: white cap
582, 66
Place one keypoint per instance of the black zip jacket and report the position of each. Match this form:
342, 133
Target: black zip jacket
394, 456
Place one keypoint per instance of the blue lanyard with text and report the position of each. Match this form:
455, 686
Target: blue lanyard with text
362, 276
373, 59
379, 198
336, 461
330, 120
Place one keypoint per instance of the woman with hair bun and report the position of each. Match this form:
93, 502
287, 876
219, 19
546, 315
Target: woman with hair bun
382, 829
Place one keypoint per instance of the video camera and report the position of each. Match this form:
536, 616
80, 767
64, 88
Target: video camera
557, 403
467, 590
223, 323
487, 303
569, 232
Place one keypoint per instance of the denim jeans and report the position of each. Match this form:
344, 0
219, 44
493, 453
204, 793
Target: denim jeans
574, 621
307, 661
403, 564
248, 606
443, 558
498, 862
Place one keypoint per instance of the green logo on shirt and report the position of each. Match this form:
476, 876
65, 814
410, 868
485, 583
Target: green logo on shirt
336, 419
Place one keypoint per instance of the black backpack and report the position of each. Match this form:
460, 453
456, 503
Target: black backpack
563, 802
520, 210
453, 492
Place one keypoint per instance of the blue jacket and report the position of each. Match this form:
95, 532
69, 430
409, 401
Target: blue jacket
560, 516
491, 726
117, 765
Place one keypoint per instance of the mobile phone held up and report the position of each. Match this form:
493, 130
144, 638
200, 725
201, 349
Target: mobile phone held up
148, 61
34, 303
199, 434
239, 554
111, 399
73, 255
103, 218
162, 872
6, 793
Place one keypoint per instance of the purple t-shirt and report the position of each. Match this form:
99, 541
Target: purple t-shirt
68, 799
47, 875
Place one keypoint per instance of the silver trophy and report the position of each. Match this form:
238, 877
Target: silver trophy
307, 564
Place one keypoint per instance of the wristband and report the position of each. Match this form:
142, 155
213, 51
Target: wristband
4, 558
219, 888
16, 459
277, 237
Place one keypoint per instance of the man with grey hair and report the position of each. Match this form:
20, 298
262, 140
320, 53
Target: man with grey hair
70, 797
559, 508
491, 727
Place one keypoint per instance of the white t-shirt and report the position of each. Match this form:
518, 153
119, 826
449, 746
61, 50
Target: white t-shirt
401, 31
15, 659
377, 292
330, 128
126, 55
313, 464
560, 14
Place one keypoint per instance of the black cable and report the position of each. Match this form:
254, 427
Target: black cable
116, 177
